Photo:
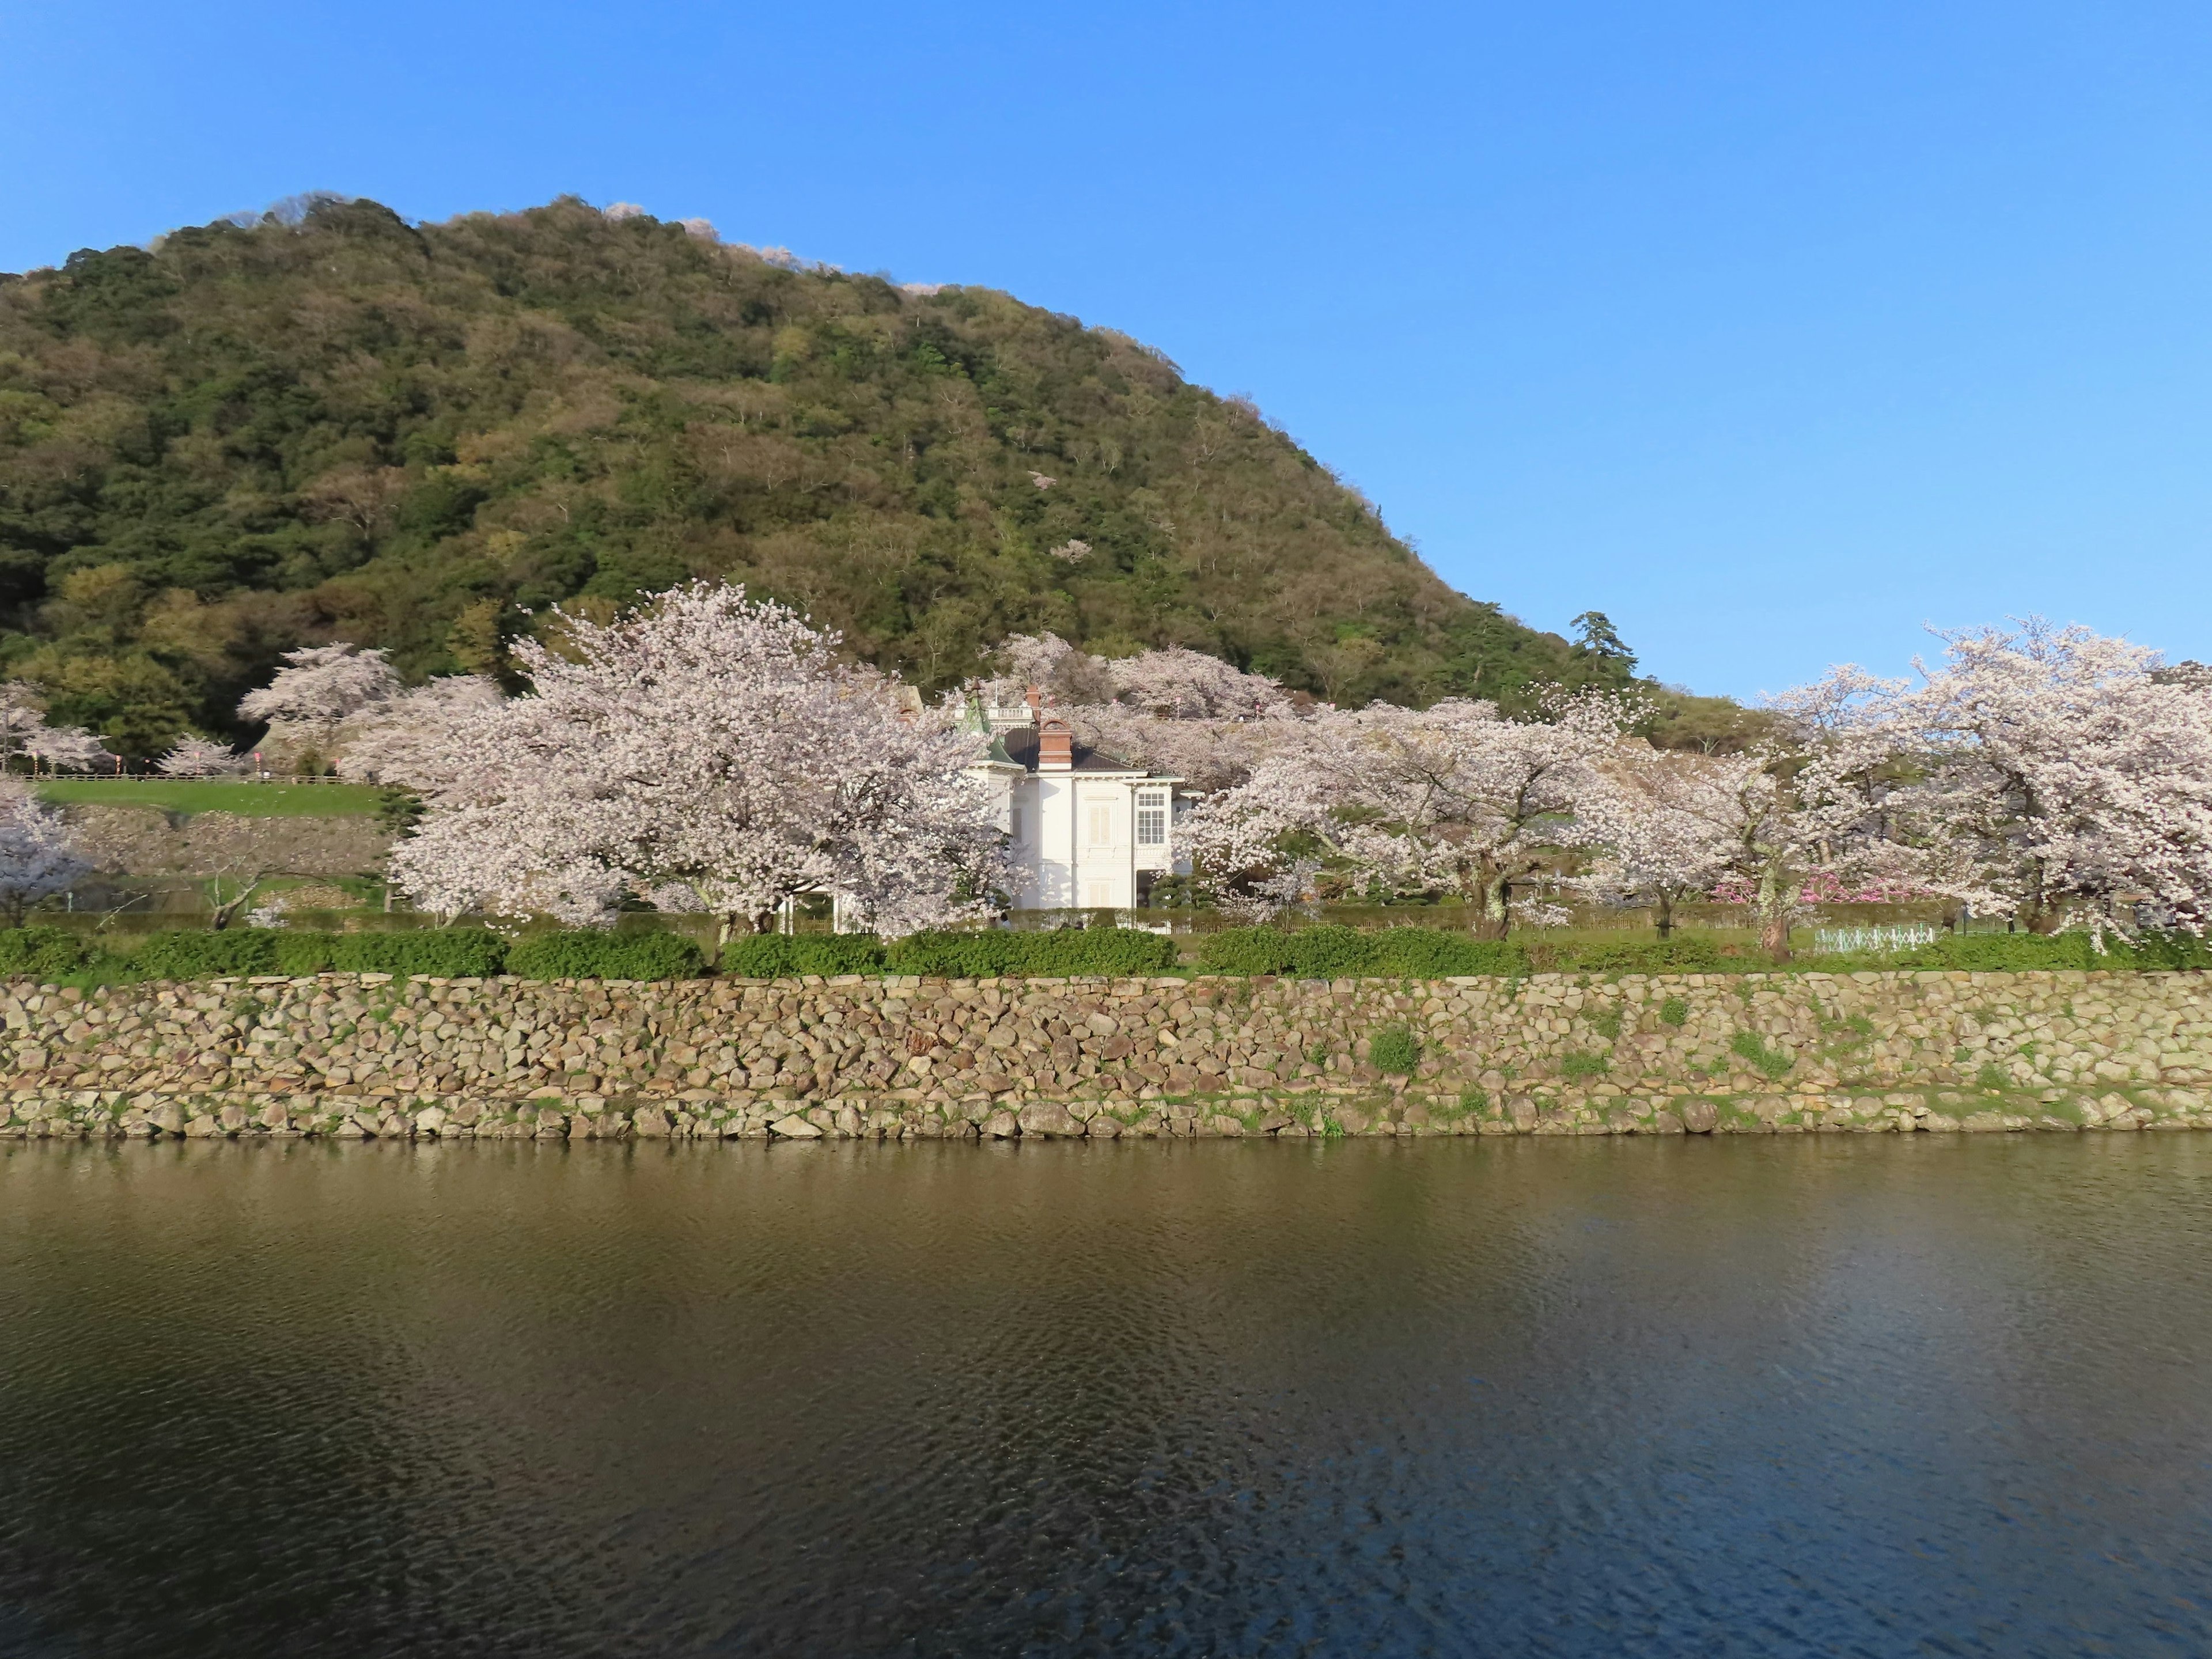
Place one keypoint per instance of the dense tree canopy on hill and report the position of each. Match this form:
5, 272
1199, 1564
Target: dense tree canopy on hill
332, 424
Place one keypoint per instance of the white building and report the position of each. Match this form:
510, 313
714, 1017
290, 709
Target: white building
1087, 830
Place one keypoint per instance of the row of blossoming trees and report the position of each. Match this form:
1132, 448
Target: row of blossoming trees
2047, 774
713, 754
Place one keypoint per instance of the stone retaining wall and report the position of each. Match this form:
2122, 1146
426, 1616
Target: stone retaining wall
353, 1055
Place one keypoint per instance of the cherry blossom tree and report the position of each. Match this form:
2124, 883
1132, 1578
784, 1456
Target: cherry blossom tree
1173, 710
2072, 769
1455, 796
22, 715
415, 733
69, 748
1665, 825
195, 758
38, 854
709, 753
1823, 809
24, 731
320, 687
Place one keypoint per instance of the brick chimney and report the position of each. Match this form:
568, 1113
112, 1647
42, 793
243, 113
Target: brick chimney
1056, 747
1034, 698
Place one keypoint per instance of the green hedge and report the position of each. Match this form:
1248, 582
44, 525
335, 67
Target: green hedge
233, 951
785, 956
442, 952
584, 954
46, 953
990, 955
1083, 951
1320, 952
2001, 953
1332, 951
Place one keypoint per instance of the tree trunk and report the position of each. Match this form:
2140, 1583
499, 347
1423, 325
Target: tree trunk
1665, 914
1496, 918
226, 913
1774, 914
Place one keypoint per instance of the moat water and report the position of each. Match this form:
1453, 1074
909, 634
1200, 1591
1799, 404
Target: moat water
1934, 1396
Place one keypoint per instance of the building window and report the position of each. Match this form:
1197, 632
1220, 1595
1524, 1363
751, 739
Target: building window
1099, 896
1152, 820
1014, 823
1102, 826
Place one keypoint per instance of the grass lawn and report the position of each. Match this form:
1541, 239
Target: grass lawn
190, 795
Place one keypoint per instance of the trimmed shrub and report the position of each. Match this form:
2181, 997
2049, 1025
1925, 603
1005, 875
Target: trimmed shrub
1113, 951
230, 954
952, 956
1431, 953
1246, 950
586, 953
44, 952
1331, 951
1121, 953
1665, 956
2004, 953
440, 953
782, 956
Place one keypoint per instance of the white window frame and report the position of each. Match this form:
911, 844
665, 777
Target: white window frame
1153, 812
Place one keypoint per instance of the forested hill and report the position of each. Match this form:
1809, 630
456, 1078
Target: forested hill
336, 425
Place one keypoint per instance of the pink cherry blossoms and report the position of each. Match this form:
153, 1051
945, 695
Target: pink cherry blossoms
709, 753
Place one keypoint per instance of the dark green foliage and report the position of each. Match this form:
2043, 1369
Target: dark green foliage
1429, 953
1674, 1012
340, 426
438, 953
226, 955
1328, 952
1246, 950
1395, 1049
1999, 953
43, 953
1679, 955
785, 956
586, 954
431, 953
1072, 951
399, 811
1585, 1065
1745, 1045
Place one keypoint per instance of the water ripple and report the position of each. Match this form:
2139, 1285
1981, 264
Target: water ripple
1879, 1396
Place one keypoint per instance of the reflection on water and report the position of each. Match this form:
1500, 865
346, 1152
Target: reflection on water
1879, 1396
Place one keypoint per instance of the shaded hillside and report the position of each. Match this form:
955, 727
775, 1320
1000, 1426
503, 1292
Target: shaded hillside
344, 426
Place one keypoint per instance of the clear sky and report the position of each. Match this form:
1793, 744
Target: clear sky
1772, 330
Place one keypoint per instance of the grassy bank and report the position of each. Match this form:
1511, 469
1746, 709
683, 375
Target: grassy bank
190, 796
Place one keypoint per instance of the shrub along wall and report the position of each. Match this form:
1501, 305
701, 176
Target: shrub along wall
914, 1056
48, 953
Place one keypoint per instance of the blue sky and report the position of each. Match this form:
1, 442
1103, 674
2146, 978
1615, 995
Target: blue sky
1773, 331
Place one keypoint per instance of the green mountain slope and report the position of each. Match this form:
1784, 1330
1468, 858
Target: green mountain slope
344, 426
